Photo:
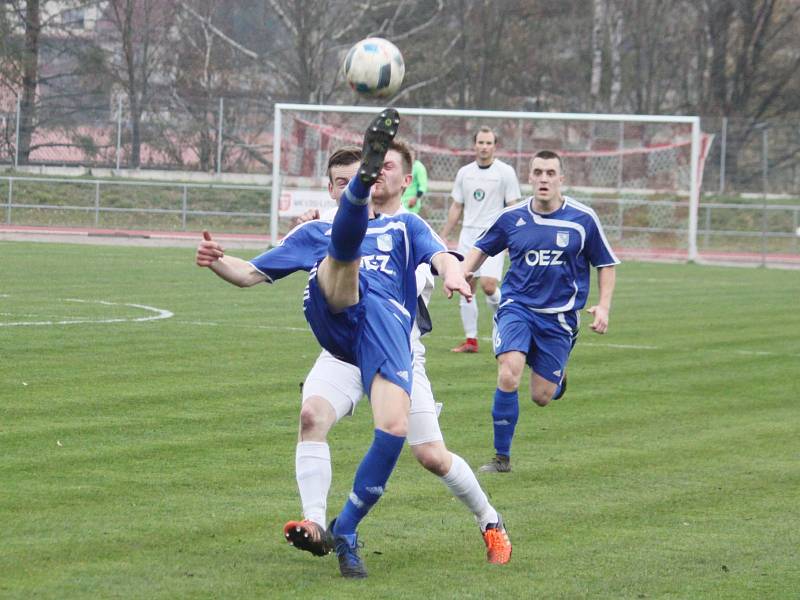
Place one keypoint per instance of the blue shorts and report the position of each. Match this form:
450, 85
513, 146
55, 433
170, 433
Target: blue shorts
545, 339
374, 334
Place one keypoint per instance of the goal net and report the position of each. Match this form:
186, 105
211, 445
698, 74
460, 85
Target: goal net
641, 174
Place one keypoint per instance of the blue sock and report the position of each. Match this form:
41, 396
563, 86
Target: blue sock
370, 481
505, 412
350, 222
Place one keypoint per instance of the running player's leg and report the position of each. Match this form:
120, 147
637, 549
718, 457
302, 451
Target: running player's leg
468, 310
512, 341
554, 339
338, 272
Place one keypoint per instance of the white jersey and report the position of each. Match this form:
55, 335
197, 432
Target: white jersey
484, 192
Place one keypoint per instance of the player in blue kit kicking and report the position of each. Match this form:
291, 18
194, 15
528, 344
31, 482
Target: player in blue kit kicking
553, 241
360, 302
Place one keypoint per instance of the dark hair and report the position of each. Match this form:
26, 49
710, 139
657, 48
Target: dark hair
404, 148
486, 129
549, 155
342, 157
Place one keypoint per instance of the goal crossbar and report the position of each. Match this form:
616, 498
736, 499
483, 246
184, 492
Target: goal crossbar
691, 121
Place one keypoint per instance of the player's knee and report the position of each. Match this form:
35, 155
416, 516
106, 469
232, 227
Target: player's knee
433, 458
541, 397
397, 426
489, 286
507, 378
313, 418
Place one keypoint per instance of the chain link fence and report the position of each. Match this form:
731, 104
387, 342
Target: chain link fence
222, 135
751, 182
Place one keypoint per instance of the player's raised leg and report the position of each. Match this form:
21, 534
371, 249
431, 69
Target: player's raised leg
338, 272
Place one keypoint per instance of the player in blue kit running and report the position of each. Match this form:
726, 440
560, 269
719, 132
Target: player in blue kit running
360, 302
553, 241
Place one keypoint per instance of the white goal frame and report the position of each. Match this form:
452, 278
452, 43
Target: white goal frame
693, 121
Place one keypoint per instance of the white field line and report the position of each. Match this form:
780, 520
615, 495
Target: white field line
488, 340
160, 313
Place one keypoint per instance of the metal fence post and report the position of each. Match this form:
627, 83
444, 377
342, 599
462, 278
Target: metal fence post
183, 209
16, 135
764, 178
119, 129
621, 147
10, 196
97, 203
219, 136
722, 152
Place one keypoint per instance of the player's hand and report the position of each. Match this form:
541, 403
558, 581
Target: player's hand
208, 252
600, 323
412, 202
455, 282
310, 215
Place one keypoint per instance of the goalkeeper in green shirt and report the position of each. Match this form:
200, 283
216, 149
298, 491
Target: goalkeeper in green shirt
412, 196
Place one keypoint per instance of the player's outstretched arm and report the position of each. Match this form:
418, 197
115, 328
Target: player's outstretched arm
473, 262
230, 268
606, 280
449, 269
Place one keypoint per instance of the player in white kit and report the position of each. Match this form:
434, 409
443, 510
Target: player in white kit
482, 189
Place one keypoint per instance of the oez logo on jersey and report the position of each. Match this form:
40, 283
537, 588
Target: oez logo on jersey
376, 262
544, 258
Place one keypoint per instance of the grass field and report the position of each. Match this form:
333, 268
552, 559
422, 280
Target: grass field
155, 458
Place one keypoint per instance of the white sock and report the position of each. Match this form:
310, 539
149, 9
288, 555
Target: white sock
469, 317
494, 301
313, 471
464, 485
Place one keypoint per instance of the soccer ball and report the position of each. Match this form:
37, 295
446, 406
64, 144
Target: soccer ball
374, 67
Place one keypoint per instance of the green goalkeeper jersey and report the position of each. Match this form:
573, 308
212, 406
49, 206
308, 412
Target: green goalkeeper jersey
419, 185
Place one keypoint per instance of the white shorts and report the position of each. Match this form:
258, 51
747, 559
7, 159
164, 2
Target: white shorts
340, 384
493, 265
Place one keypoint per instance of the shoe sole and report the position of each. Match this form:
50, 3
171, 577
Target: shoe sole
298, 537
465, 350
379, 135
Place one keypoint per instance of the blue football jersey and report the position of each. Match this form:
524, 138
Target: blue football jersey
550, 255
391, 251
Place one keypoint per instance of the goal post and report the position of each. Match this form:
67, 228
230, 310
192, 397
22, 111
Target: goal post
641, 173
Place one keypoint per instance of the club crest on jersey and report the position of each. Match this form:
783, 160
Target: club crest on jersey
479, 195
385, 242
562, 239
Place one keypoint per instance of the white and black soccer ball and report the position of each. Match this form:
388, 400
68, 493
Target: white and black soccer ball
374, 67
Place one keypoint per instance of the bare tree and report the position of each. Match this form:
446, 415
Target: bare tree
20, 67
598, 37
138, 47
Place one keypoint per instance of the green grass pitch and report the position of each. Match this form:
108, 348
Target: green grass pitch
155, 458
